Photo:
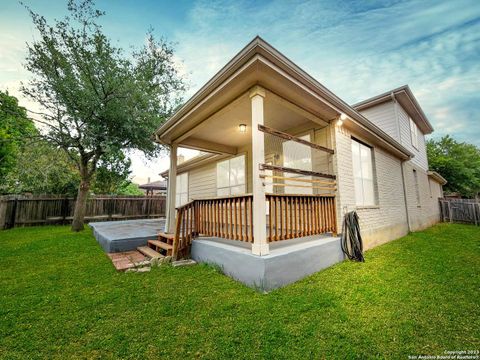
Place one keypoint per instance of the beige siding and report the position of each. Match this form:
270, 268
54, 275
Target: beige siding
383, 115
202, 182
420, 154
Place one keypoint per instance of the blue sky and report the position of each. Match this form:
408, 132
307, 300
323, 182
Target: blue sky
356, 48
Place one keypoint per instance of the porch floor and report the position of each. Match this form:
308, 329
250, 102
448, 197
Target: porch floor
288, 261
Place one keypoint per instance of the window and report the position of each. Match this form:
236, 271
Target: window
231, 176
181, 190
363, 174
417, 190
414, 133
297, 156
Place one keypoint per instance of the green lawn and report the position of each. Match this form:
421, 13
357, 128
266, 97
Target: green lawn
61, 298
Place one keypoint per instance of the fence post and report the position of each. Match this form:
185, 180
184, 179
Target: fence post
110, 208
13, 214
449, 212
475, 213
64, 210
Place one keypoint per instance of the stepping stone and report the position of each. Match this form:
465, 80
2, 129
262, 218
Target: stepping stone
187, 262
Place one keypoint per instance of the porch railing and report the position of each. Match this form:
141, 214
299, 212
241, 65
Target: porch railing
289, 216
228, 217
292, 216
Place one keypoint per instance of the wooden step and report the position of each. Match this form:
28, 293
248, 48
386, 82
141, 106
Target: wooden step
147, 251
160, 244
166, 236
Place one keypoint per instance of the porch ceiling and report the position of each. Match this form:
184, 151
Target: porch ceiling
221, 133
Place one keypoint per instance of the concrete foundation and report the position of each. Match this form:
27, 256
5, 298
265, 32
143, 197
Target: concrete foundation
288, 261
120, 236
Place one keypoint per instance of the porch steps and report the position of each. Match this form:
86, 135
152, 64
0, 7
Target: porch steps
166, 236
158, 246
149, 252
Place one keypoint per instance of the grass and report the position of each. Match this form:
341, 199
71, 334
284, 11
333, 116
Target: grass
61, 298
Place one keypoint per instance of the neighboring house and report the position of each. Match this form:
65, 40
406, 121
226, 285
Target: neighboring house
158, 187
286, 159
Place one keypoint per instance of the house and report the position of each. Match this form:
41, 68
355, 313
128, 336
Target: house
151, 188
283, 159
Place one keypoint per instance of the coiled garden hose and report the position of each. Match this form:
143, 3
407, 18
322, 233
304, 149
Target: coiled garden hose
351, 242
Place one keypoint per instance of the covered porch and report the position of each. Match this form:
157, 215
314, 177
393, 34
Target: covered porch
275, 170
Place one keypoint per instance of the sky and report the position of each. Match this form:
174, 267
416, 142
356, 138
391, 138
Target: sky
357, 49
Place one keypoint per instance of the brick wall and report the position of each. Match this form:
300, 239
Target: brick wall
387, 220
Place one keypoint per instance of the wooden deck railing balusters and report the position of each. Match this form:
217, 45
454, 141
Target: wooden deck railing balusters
292, 216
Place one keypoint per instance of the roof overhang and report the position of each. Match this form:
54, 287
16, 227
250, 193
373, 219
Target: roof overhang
194, 162
260, 64
406, 99
437, 177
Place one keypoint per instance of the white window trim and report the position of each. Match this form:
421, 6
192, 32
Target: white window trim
230, 186
413, 133
365, 204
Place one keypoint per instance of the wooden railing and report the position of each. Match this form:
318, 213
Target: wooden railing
289, 216
228, 217
292, 216
185, 228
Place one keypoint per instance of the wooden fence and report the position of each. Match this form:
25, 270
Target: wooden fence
466, 211
27, 211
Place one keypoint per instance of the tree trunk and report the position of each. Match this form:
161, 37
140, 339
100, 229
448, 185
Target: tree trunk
80, 206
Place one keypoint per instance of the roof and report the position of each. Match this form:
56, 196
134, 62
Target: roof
260, 51
405, 97
194, 162
154, 185
437, 177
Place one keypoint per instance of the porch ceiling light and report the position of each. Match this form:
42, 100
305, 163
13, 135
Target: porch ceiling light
242, 128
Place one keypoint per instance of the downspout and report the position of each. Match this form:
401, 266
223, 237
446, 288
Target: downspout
405, 195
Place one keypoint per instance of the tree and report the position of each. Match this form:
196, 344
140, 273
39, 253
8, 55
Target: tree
98, 101
458, 163
112, 175
42, 169
15, 129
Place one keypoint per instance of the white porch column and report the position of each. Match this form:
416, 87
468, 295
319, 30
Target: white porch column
171, 191
260, 243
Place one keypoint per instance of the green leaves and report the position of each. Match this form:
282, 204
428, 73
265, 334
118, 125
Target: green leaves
15, 129
458, 163
97, 99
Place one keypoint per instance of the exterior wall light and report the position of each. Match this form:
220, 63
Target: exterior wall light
341, 119
242, 128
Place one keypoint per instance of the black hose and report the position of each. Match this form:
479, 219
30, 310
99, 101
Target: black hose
351, 241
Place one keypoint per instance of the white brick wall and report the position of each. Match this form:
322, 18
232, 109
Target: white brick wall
387, 219
426, 212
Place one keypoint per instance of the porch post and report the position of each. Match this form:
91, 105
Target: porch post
171, 191
260, 243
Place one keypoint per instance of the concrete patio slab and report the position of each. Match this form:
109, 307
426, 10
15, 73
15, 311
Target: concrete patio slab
121, 236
